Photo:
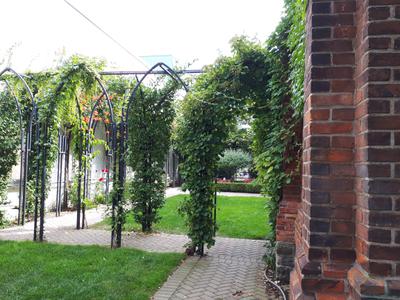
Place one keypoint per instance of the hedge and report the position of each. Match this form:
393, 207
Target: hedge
238, 187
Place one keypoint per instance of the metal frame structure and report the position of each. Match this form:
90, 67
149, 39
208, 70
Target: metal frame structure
25, 139
120, 143
116, 150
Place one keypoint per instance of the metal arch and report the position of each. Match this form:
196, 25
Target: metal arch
121, 133
92, 126
22, 179
171, 73
109, 104
8, 69
28, 139
81, 163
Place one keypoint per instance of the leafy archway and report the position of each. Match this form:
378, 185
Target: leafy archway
254, 84
18, 111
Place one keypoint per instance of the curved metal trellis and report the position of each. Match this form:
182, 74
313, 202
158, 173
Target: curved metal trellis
25, 140
121, 135
82, 174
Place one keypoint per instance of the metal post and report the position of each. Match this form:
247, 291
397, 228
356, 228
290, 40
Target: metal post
215, 209
78, 205
43, 184
59, 170
121, 181
37, 179
21, 212
115, 185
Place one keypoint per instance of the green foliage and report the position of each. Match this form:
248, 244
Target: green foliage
149, 128
238, 187
240, 138
276, 143
262, 82
210, 109
9, 143
231, 161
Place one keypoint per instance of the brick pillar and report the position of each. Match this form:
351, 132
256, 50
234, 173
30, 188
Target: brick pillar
288, 207
325, 223
376, 273
348, 228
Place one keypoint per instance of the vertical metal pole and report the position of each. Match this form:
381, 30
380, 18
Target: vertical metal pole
58, 172
115, 185
215, 208
37, 179
21, 179
121, 181
85, 178
78, 205
43, 183
28, 145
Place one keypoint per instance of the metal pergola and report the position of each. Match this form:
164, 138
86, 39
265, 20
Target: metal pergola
116, 142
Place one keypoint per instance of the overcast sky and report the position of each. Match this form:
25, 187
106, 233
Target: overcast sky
191, 30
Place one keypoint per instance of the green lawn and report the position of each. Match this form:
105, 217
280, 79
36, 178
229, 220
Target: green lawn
238, 217
47, 271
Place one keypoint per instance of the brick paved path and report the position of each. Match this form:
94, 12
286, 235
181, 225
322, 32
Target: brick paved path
232, 269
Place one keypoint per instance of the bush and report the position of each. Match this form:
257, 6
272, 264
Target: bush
231, 161
238, 187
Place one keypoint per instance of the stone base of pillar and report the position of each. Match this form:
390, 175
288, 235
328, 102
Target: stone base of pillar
284, 260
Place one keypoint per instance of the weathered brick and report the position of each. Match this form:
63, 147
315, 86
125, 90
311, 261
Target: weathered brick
375, 43
321, 33
332, 20
321, 7
384, 90
378, 13
343, 59
331, 46
386, 27
321, 59
320, 86
384, 59
344, 6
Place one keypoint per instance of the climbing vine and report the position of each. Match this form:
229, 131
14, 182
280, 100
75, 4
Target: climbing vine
149, 128
9, 142
264, 83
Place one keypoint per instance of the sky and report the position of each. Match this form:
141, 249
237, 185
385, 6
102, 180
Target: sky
193, 32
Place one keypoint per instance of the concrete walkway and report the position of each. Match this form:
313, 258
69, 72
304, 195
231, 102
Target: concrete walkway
177, 191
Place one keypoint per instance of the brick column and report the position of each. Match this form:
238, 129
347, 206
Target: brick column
376, 273
288, 207
348, 228
325, 224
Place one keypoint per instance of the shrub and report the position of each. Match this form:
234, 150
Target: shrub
238, 187
231, 161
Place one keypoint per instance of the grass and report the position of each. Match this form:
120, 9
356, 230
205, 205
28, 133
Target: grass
237, 217
47, 271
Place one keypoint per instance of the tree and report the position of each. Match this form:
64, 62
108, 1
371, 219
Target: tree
231, 161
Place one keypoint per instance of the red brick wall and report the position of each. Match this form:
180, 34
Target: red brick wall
348, 228
377, 157
288, 207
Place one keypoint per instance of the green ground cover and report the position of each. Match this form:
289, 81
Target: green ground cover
47, 271
237, 217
